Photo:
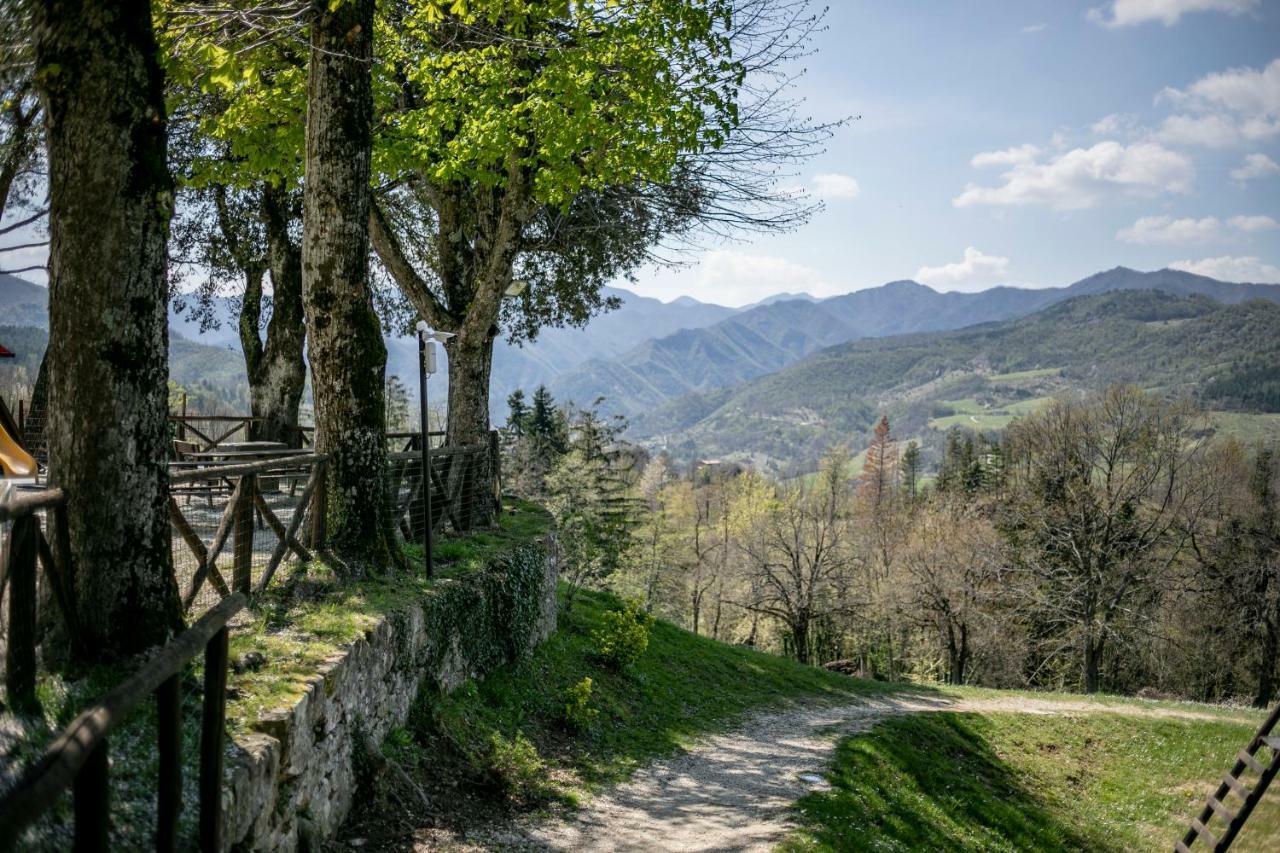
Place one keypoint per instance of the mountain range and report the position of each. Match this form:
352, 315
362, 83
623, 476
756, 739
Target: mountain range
1227, 356
769, 337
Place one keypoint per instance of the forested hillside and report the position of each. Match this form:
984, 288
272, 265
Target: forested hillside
770, 337
1227, 356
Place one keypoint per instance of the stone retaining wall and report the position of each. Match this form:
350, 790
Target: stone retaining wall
291, 782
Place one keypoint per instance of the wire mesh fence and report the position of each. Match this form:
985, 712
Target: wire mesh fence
464, 490
235, 526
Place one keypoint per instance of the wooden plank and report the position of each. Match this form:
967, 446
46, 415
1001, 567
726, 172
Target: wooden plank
212, 732
320, 508
1240, 789
92, 802
62, 761
23, 503
1273, 743
169, 777
285, 536
280, 464
1181, 848
1204, 833
210, 566
1249, 761
242, 550
20, 651
288, 535
59, 580
1222, 811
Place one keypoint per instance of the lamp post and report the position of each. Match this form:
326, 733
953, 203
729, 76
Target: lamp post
427, 340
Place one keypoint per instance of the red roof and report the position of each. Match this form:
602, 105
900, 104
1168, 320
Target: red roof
4, 353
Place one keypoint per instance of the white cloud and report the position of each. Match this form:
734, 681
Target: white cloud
1253, 224
1117, 124
1165, 230
974, 272
1083, 177
1225, 108
1248, 269
1006, 157
1255, 166
832, 185
1154, 230
1127, 13
1034, 28
730, 277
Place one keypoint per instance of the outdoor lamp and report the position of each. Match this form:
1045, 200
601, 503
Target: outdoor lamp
427, 340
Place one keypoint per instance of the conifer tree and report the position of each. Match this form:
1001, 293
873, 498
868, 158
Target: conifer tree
880, 470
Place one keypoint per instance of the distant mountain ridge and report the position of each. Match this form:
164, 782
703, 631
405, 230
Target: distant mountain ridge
772, 336
1157, 339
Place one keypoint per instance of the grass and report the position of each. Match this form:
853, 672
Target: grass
1005, 781
1023, 375
684, 686
970, 414
295, 633
1249, 428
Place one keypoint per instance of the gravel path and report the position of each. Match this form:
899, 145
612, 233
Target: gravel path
734, 791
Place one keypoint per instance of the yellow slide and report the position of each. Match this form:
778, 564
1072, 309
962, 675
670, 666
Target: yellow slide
14, 461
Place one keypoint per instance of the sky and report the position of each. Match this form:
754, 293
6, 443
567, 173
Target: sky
1029, 143
1023, 142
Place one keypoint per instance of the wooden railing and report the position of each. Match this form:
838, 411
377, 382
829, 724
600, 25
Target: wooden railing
247, 509
26, 549
78, 758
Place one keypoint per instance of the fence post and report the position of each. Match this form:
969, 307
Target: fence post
495, 471
320, 508
20, 655
169, 778
212, 725
91, 795
242, 576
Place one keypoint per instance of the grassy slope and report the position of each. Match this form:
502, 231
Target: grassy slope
684, 686
1002, 781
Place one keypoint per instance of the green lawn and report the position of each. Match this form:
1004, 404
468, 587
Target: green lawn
1003, 781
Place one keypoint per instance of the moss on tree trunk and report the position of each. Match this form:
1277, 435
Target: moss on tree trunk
111, 197
348, 357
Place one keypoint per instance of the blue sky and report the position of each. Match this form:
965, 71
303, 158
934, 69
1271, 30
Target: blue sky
1028, 143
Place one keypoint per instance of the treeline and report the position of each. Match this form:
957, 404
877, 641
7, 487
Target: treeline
1100, 544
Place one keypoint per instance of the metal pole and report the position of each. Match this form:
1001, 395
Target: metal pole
426, 449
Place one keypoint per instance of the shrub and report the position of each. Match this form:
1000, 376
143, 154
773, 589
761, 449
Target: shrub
513, 763
623, 636
578, 713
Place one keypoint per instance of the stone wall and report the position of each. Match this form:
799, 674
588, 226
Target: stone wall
291, 782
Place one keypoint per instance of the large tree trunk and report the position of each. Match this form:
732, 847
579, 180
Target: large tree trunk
348, 357
1270, 648
1092, 664
111, 197
470, 362
277, 379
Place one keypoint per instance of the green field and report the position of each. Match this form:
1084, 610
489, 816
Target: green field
971, 414
1248, 427
1023, 375
1013, 781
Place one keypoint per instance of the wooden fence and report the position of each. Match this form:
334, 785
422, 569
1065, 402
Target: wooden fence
79, 756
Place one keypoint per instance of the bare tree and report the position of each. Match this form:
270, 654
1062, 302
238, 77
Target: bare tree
803, 560
1101, 489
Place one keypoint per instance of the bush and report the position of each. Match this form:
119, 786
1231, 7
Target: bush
578, 713
512, 764
623, 636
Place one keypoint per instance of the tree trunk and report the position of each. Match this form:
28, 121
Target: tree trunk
111, 197
470, 362
1267, 666
1092, 664
277, 380
800, 638
348, 357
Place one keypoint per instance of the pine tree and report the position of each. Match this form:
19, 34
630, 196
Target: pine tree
911, 470
880, 470
517, 414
